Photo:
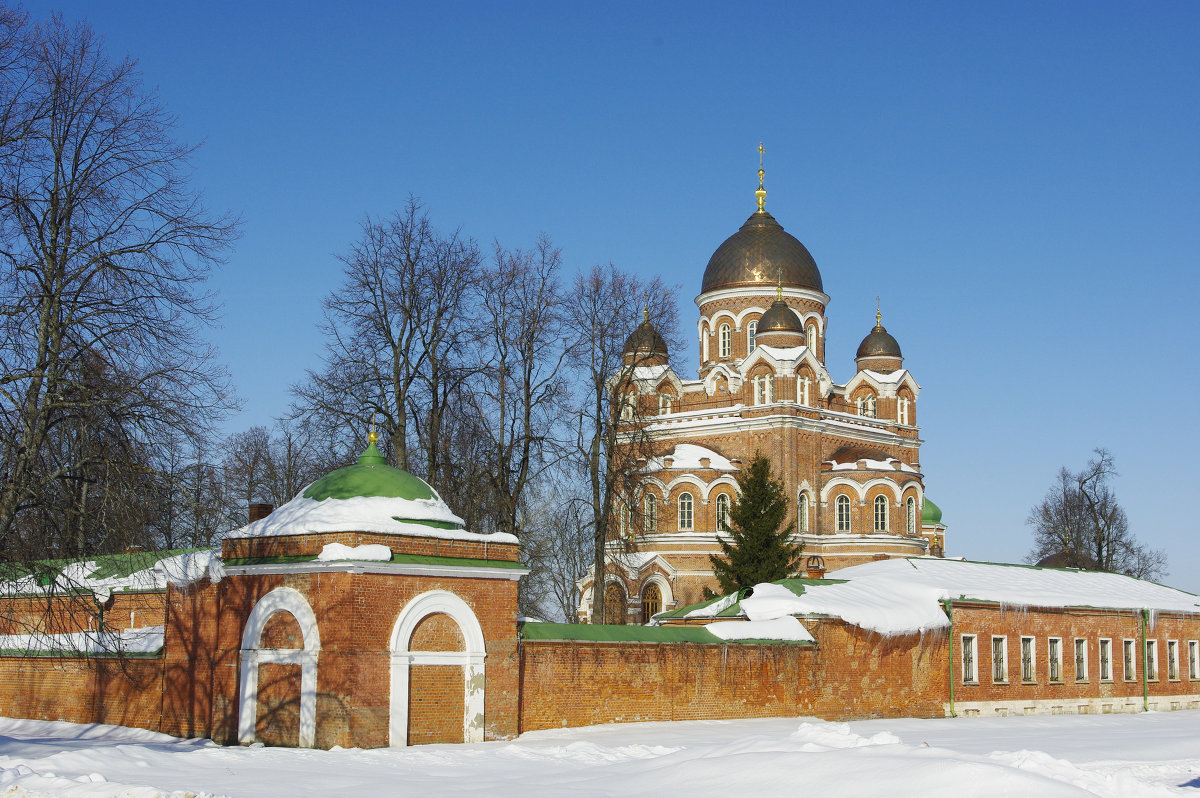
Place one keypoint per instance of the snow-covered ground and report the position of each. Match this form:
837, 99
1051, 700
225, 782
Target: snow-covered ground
1154, 754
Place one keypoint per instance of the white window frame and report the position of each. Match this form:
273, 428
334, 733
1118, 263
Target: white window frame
751, 336
722, 512
1152, 660
628, 406
1081, 660
1054, 659
910, 516
650, 512
812, 338
1106, 669
1172, 660
704, 335
1000, 664
664, 404
1194, 659
1129, 659
970, 658
842, 512
1028, 663
724, 341
880, 513
802, 512
687, 512
902, 410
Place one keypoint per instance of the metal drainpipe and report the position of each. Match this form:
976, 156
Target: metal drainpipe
1145, 661
950, 614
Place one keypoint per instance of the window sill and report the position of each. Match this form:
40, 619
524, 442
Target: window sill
1106, 681
1000, 681
971, 682
1082, 681
1029, 681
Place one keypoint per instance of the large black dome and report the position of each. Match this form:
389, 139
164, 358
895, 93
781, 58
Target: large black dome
878, 343
759, 254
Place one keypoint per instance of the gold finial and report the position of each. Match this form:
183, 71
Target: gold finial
372, 436
779, 284
645, 307
878, 314
761, 193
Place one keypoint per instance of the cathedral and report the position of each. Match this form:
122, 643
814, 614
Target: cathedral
848, 454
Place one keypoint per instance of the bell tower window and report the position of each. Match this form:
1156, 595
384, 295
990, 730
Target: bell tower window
802, 391
724, 341
751, 336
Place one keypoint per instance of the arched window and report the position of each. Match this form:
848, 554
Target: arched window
866, 405
812, 338
802, 391
614, 604
628, 405
762, 389
685, 512
902, 410
724, 341
881, 514
704, 344
843, 513
651, 513
751, 336
802, 513
664, 404
651, 602
910, 516
722, 512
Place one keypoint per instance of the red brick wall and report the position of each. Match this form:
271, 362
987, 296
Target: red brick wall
435, 710
124, 693
306, 545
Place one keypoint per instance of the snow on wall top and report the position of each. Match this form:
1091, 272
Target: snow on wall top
688, 455
387, 515
875, 465
1027, 586
105, 575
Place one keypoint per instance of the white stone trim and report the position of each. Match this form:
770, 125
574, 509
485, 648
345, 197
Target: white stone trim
281, 599
763, 290
664, 590
474, 678
1117, 704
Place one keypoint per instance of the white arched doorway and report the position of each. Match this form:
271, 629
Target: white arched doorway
474, 682
290, 600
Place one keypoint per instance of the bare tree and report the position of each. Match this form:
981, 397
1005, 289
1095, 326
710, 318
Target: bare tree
391, 331
604, 308
104, 248
1080, 524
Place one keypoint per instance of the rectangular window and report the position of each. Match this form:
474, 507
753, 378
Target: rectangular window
1080, 660
1130, 671
1027, 655
1000, 659
1152, 660
1173, 660
970, 659
1054, 658
1105, 660
1194, 659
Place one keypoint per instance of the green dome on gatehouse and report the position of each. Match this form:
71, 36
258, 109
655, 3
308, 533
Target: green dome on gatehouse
371, 476
931, 514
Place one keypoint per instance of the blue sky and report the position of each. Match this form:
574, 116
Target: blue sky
1019, 182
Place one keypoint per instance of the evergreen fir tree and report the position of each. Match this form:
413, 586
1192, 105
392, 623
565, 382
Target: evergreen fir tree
760, 550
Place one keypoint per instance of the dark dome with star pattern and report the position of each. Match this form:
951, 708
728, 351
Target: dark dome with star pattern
759, 254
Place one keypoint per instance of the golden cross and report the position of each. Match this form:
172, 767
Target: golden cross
761, 150
878, 314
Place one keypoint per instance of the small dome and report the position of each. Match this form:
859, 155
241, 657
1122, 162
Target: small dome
759, 253
878, 343
645, 340
779, 318
931, 514
372, 476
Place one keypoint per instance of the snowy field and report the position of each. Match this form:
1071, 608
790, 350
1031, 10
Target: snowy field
1113, 755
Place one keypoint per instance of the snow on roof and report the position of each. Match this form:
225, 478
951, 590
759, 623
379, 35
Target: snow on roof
876, 465
890, 378
902, 596
688, 455
1026, 585
388, 515
785, 628
784, 353
650, 373
106, 574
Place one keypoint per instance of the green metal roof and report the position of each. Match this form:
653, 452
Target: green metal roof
371, 476
930, 512
108, 566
